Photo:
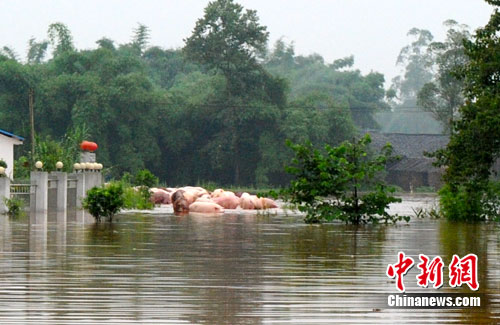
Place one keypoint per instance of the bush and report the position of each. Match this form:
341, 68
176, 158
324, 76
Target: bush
471, 202
15, 207
22, 168
3, 163
327, 185
104, 201
137, 198
145, 178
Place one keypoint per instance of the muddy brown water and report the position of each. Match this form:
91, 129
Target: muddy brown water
231, 269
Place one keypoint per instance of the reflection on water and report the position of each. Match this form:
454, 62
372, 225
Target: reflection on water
231, 269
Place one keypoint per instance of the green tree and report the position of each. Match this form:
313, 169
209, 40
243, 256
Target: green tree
347, 87
60, 38
36, 51
145, 178
104, 202
444, 94
327, 185
9, 53
474, 143
416, 62
141, 38
229, 41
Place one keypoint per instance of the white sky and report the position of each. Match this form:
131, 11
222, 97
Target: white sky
373, 31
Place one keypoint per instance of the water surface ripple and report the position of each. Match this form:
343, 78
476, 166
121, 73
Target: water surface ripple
234, 269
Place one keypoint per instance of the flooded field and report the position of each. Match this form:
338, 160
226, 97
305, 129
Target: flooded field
232, 269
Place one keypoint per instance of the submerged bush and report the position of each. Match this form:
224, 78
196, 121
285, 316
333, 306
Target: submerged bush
15, 207
470, 203
104, 201
328, 184
137, 198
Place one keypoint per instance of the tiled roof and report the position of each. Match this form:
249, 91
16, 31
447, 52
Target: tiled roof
411, 148
410, 145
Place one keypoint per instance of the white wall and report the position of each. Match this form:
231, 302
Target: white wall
7, 153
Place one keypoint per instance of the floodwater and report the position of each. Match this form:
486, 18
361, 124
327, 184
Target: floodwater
232, 269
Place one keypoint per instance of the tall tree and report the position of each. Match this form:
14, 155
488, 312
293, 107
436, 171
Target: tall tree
416, 61
475, 143
141, 38
36, 50
444, 94
9, 53
60, 38
229, 40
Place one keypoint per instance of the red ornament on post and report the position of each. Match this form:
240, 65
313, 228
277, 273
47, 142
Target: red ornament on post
88, 146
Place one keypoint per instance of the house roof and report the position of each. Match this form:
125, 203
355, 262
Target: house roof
411, 148
414, 164
410, 145
11, 135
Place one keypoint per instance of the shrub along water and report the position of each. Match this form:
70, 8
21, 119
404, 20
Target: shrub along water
108, 200
327, 184
104, 201
137, 198
15, 207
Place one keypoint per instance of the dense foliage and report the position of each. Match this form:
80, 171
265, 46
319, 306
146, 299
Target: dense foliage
340, 183
104, 202
443, 95
136, 197
218, 110
15, 207
474, 147
145, 178
429, 81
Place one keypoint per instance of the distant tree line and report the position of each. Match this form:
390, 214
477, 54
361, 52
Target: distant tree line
219, 109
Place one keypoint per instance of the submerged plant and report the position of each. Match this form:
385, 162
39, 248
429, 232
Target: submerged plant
104, 201
15, 207
341, 183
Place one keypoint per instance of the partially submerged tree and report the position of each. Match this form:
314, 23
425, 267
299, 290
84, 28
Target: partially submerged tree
475, 141
341, 183
104, 202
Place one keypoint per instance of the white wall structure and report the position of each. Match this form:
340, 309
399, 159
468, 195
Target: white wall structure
7, 143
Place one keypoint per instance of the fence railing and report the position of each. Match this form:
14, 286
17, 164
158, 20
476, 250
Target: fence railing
21, 189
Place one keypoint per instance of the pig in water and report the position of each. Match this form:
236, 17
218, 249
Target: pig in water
246, 202
179, 202
159, 196
205, 207
228, 201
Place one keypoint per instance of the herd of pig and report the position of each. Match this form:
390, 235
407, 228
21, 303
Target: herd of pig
197, 199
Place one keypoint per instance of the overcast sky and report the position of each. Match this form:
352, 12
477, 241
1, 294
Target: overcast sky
373, 31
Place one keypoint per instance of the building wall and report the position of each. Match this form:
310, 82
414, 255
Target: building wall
406, 179
412, 179
7, 153
435, 179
